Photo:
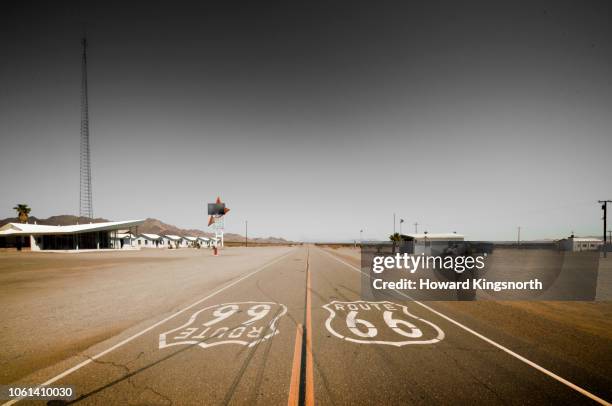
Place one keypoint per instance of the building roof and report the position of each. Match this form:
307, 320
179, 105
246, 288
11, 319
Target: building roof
435, 236
38, 229
190, 238
203, 238
173, 237
150, 236
585, 239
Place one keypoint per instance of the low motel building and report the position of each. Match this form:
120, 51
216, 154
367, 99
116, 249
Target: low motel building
191, 241
204, 241
174, 241
150, 241
124, 240
92, 236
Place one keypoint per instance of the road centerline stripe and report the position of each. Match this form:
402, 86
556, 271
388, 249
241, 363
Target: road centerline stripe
294, 387
490, 341
309, 393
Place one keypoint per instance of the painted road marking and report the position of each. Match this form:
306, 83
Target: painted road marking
294, 387
89, 360
309, 392
362, 322
242, 323
493, 343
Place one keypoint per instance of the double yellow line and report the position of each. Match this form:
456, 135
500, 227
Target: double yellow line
298, 352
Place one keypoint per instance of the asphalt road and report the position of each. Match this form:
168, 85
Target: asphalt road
295, 331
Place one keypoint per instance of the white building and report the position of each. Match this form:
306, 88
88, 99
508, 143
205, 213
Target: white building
204, 241
149, 241
174, 241
124, 240
428, 243
580, 244
190, 241
92, 236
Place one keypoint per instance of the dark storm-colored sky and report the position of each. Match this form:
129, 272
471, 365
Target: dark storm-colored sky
314, 121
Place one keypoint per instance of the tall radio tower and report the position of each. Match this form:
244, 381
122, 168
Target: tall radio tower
85, 205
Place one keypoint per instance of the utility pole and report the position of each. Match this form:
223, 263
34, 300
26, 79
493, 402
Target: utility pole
246, 233
393, 223
401, 221
604, 207
416, 228
361, 236
518, 237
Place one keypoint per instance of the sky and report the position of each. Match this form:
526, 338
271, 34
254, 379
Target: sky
314, 121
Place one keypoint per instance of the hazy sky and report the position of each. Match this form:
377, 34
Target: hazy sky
315, 121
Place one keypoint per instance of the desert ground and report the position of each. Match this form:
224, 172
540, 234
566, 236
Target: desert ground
133, 328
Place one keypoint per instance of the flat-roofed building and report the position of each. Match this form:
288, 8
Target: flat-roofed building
428, 243
573, 243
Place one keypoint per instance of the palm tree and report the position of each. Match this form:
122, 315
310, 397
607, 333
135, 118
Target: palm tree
23, 212
396, 238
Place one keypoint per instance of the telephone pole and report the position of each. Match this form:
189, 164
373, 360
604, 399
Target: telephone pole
518, 237
604, 207
416, 228
246, 233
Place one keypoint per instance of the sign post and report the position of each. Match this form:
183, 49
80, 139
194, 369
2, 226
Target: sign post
217, 212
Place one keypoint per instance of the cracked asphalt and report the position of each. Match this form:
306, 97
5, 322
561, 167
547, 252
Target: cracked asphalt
236, 344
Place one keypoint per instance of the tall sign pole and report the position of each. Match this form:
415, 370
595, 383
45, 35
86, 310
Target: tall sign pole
217, 212
604, 207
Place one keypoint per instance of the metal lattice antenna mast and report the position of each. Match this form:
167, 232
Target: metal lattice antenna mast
85, 195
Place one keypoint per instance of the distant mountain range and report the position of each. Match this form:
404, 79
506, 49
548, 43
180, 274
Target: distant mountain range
151, 225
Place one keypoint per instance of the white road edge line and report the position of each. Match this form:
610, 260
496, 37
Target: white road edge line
493, 343
146, 330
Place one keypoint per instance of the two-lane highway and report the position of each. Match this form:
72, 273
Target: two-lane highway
296, 331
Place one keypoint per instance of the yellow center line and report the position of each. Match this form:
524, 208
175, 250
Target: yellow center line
309, 393
294, 388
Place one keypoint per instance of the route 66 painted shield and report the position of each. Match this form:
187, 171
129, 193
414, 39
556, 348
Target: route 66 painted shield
242, 323
384, 323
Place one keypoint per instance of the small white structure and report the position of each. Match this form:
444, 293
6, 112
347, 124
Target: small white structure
149, 241
429, 244
204, 241
124, 241
190, 241
573, 243
174, 241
